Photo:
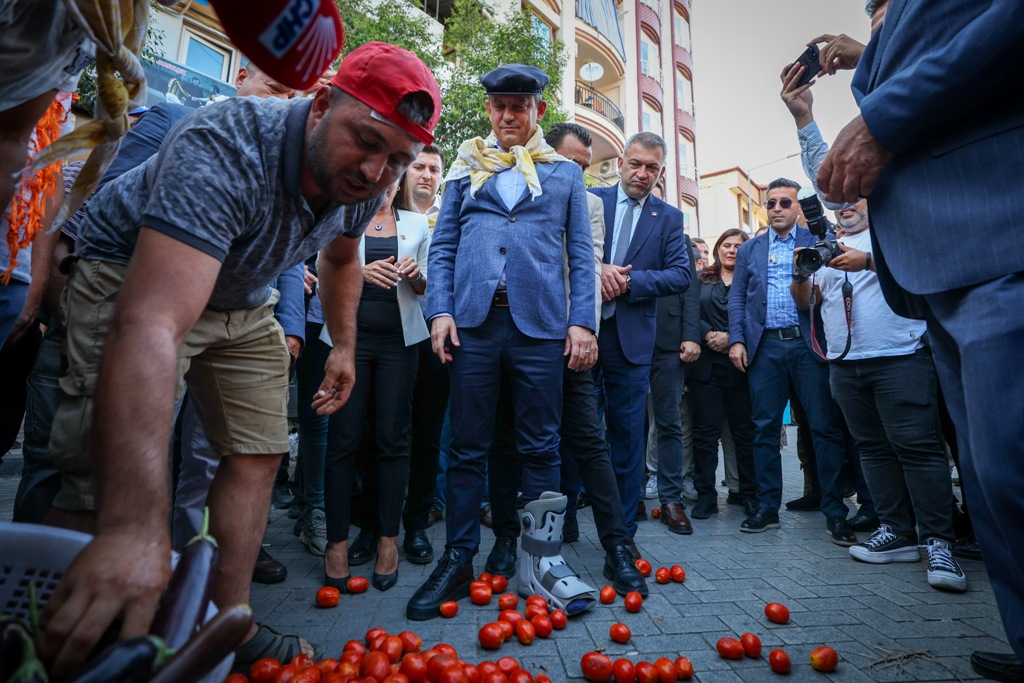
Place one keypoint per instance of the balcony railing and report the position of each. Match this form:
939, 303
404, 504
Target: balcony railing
587, 96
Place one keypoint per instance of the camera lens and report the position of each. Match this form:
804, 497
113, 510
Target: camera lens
809, 260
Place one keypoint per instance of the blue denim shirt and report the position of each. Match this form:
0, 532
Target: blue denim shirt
781, 309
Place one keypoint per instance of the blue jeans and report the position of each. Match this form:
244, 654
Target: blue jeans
12, 300
40, 481
309, 471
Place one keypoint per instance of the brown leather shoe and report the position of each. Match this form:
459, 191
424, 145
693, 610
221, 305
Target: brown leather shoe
434, 515
267, 569
674, 516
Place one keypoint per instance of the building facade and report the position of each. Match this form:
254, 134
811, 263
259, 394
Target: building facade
730, 199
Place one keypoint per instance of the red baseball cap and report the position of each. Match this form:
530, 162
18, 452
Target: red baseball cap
380, 74
293, 41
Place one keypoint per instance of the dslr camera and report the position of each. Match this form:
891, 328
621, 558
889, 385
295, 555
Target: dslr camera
811, 260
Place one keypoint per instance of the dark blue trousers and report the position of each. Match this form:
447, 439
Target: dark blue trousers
778, 363
976, 335
533, 369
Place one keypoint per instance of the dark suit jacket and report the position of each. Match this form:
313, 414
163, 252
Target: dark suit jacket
679, 314
937, 92
748, 298
660, 255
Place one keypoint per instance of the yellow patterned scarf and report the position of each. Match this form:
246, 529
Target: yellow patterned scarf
118, 27
480, 158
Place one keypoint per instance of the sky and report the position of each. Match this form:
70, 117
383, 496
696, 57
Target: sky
739, 50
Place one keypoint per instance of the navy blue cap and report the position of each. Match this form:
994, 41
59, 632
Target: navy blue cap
515, 79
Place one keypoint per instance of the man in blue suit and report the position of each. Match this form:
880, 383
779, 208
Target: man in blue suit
771, 341
941, 128
512, 209
646, 256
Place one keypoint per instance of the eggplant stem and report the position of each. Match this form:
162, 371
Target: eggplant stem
204, 531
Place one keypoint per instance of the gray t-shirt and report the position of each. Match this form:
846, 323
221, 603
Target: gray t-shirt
225, 181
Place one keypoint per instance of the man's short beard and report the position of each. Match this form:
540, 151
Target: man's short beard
316, 145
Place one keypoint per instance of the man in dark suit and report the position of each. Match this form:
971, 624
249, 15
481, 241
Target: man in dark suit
942, 127
771, 341
646, 256
513, 209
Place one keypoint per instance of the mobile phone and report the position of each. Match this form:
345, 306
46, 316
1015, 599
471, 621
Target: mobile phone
809, 60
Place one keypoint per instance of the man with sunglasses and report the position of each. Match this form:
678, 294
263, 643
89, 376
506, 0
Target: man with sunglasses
771, 341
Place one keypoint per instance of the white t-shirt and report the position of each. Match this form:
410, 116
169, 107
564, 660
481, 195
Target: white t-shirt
877, 331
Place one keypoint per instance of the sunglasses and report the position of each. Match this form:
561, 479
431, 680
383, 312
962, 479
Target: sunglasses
784, 203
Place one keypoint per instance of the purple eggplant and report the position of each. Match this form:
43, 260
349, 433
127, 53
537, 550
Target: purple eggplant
183, 606
129, 661
214, 641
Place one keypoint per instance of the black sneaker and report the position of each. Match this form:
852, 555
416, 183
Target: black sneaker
943, 570
449, 581
884, 547
762, 520
840, 532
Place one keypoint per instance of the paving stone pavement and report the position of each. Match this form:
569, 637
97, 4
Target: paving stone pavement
866, 612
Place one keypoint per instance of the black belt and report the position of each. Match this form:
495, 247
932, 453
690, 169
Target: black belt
500, 299
784, 333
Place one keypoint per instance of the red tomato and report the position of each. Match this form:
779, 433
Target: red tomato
541, 678
511, 616
301, 661
493, 677
449, 609
453, 674
328, 597
507, 665
644, 566
410, 642
730, 648
656, 513
508, 628
608, 595
525, 632
536, 599
508, 601
684, 669
237, 678
305, 677
358, 584
596, 667
542, 625
327, 666
354, 646
445, 648
751, 645
620, 633
662, 575
520, 676
486, 576
348, 670
534, 611
352, 657
264, 670
479, 583
646, 673
491, 636
623, 671
824, 659
437, 664
285, 673
778, 660
633, 601
392, 648
666, 670
487, 667
678, 573
472, 673
374, 633
375, 664
397, 677
480, 595
558, 619
378, 642
499, 583
776, 612
414, 665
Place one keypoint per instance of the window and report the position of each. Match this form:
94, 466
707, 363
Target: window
682, 31
207, 57
684, 93
646, 118
686, 158
541, 31
651, 119
645, 59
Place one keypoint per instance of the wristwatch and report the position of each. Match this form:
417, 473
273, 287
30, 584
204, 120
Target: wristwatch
629, 282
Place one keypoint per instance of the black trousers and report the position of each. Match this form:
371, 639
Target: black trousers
429, 400
726, 389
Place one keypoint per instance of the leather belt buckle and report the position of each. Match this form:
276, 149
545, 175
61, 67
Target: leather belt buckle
785, 333
500, 299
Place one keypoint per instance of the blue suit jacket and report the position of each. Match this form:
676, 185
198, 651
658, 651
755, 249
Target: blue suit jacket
748, 296
936, 92
660, 258
475, 238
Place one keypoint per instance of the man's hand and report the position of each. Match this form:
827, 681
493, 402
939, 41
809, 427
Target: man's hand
24, 323
339, 378
442, 328
120, 574
689, 351
738, 356
798, 100
853, 165
382, 273
294, 345
852, 260
839, 53
308, 279
613, 281
581, 347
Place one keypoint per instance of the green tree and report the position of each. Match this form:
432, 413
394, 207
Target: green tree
399, 22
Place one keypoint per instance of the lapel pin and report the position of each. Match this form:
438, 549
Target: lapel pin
654, 213
771, 258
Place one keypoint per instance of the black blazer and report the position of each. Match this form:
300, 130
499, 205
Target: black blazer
679, 314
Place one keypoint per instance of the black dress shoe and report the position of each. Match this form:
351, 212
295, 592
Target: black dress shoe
417, 547
582, 501
839, 529
341, 584
735, 498
967, 549
384, 582
749, 505
998, 666
268, 570
762, 520
704, 508
449, 581
808, 503
363, 548
502, 558
619, 568
864, 520
570, 530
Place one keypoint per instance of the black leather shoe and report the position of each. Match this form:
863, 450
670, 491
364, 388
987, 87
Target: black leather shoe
417, 547
749, 505
449, 581
341, 584
808, 503
502, 558
570, 530
619, 568
967, 549
839, 529
384, 582
268, 570
864, 520
762, 520
582, 501
704, 508
363, 548
735, 498
998, 666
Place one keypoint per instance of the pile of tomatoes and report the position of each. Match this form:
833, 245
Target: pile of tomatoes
534, 622
822, 659
599, 667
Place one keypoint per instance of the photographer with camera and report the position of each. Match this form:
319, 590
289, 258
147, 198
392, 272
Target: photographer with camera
881, 375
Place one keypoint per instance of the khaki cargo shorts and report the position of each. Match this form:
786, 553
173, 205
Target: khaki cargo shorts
235, 362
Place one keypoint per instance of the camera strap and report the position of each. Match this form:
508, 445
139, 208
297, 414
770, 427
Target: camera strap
847, 310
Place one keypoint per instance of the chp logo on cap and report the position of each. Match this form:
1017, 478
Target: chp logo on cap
293, 41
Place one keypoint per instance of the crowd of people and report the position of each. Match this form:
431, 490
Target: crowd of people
487, 340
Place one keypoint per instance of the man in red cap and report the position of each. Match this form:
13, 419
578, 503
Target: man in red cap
174, 261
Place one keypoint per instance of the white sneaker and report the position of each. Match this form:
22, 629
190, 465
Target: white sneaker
689, 492
943, 571
651, 489
884, 546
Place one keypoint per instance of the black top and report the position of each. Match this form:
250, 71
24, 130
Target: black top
378, 308
714, 311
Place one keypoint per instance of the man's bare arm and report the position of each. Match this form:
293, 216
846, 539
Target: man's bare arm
341, 283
